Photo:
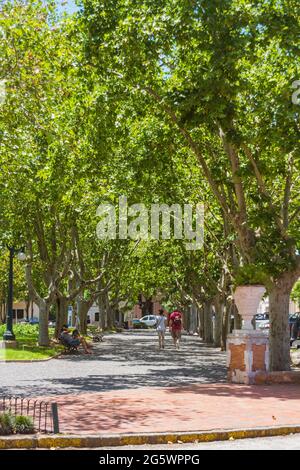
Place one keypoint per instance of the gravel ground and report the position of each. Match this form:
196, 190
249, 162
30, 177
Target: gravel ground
122, 361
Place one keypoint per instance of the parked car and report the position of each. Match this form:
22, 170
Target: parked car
52, 324
33, 321
262, 321
137, 324
149, 320
294, 324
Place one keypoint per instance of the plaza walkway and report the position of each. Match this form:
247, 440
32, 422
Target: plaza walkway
122, 361
199, 407
128, 386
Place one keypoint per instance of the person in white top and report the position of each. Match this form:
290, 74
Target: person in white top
161, 328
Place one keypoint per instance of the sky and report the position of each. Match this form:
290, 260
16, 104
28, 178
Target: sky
67, 5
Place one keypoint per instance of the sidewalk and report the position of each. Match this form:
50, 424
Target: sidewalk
199, 407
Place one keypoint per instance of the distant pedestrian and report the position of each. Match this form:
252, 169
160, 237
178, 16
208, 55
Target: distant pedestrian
161, 328
175, 325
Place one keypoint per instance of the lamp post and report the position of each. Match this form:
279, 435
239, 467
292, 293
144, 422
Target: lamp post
9, 335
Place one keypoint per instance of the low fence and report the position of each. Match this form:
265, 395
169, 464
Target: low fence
44, 414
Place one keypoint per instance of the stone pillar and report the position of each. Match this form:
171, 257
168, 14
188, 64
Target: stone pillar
247, 355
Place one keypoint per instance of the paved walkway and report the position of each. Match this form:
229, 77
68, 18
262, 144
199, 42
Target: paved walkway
196, 407
128, 386
122, 361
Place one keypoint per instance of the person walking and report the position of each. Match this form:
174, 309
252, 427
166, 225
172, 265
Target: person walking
175, 325
161, 328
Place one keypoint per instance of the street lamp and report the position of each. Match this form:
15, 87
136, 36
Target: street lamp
9, 335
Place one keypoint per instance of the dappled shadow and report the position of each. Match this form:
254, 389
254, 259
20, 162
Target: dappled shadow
103, 383
113, 415
280, 391
123, 362
144, 350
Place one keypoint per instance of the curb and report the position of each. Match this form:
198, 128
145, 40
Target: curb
112, 440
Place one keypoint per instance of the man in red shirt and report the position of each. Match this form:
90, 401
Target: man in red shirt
175, 324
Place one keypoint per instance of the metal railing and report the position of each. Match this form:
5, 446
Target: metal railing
43, 414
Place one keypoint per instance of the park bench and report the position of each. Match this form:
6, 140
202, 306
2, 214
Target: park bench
68, 348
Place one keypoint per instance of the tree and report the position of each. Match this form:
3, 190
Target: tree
221, 74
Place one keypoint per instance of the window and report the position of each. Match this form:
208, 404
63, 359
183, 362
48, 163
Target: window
97, 316
18, 314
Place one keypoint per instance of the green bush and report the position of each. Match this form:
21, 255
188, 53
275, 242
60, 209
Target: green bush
10, 424
251, 274
23, 331
139, 326
24, 425
7, 422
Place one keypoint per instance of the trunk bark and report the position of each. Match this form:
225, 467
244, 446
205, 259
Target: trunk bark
208, 327
110, 314
101, 312
201, 324
219, 309
193, 318
27, 309
83, 307
237, 318
3, 310
61, 314
225, 325
279, 300
43, 323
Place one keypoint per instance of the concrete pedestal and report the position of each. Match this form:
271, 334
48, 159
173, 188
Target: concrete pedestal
247, 355
8, 344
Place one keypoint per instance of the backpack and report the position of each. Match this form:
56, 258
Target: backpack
177, 321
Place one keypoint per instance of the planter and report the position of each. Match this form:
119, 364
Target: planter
247, 299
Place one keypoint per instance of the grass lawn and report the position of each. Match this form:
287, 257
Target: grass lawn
27, 349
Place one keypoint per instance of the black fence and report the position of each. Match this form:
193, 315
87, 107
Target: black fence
44, 414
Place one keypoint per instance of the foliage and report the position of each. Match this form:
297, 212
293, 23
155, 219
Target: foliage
6, 424
11, 424
251, 274
24, 425
27, 349
295, 295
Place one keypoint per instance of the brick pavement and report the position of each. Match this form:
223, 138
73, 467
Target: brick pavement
198, 407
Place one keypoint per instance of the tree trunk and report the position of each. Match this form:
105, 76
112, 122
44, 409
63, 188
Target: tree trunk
83, 307
43, 323
225, 324
279, 299
147, 307
109, 313
219, 310
101, 307
193, 317
237, 318
187, 319
27, 303
3, 310
201, 324
208, 327
61, 314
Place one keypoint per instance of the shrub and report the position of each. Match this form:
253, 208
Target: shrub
10, 424
251, 274
24, 425
6, 424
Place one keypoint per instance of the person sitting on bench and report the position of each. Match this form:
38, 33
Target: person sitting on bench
74, 340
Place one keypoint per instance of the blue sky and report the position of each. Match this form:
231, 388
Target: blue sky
68, 5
